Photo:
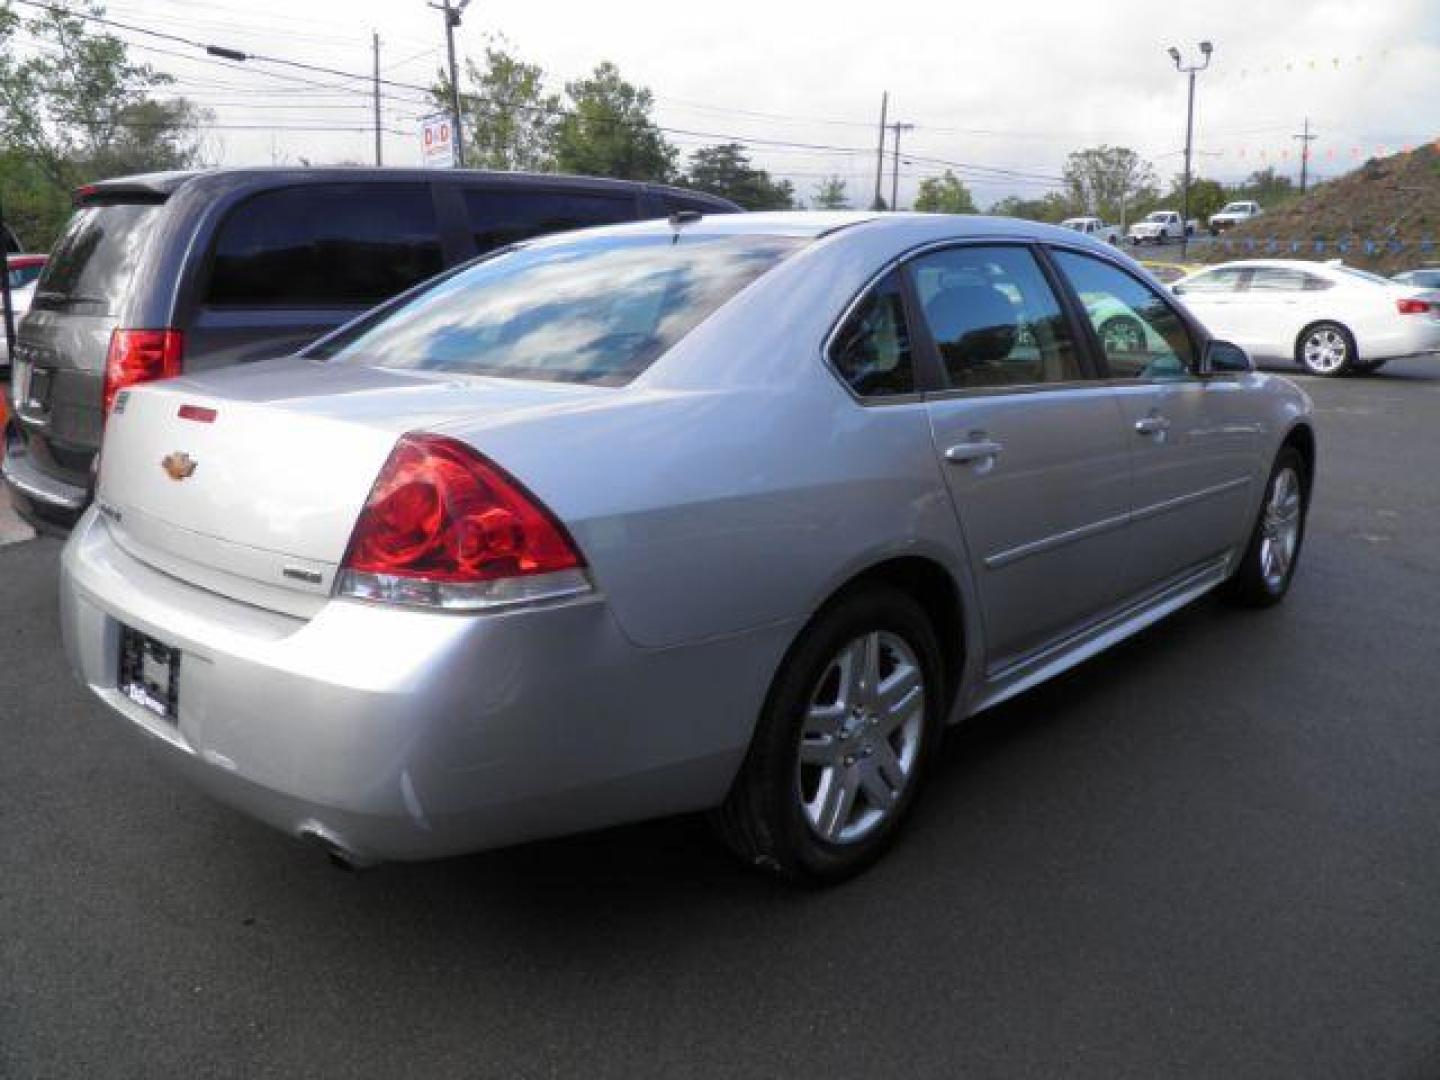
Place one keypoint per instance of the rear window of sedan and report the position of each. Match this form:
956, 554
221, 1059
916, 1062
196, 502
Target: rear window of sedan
597, 310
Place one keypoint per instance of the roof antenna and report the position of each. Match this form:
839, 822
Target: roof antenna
682, 217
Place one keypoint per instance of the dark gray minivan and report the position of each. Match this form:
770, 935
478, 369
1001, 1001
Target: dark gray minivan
184, 271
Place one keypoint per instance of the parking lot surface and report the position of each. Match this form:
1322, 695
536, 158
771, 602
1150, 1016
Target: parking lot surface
1214, 851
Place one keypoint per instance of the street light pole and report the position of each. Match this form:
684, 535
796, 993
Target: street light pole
1205, 50
452, 20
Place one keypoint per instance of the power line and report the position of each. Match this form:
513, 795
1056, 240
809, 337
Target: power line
222, 59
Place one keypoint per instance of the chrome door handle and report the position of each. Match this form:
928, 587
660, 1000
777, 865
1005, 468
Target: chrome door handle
1152, 425
963, 453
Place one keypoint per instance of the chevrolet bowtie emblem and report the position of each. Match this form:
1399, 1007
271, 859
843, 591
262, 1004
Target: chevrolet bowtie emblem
179, 465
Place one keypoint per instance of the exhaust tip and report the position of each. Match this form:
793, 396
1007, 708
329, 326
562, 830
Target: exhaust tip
339, 855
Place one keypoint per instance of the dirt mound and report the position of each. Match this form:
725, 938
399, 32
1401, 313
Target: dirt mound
1384, 216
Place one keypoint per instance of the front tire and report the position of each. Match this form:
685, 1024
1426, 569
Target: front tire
1326, 349
842, 742
1268, 566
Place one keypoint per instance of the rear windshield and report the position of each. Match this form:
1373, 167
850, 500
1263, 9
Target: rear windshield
92, 262
1364, 275
598, 310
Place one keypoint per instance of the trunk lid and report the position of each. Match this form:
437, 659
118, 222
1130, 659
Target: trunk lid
258, 501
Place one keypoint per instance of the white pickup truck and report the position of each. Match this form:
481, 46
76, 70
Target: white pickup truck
1160, 227
1093, 226
1233, 214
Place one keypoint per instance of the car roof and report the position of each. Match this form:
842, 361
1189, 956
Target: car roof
1270, 264
813, 224
164, 184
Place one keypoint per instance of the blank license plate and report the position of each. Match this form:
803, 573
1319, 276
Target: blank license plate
150, 673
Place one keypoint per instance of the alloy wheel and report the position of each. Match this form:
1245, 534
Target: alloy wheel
1280, 528
860, 737
1325, 350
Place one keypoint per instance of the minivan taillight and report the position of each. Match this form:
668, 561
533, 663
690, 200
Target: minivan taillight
1413, 307
446, 528
140, 356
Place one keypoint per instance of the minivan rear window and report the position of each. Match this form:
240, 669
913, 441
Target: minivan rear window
94, 259
596, 310
325, 246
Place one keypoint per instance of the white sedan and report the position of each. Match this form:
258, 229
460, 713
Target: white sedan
1329, 318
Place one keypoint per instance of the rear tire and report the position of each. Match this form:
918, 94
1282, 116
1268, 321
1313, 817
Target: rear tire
1267, 567
838, 757
1326, 349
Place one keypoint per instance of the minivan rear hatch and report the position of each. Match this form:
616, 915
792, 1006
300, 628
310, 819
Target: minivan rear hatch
77, 304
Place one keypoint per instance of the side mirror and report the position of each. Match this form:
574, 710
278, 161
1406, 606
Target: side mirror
1224, 358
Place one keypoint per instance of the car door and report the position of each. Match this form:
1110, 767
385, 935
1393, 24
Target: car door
1213, 297
1031, 445
1193, 441
1272, 303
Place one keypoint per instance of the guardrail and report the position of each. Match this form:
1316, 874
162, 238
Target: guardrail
1390, 245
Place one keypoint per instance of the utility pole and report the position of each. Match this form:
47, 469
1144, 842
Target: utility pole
898, 128
1205, 50
452, 20
379, 150
879, 203
1305, 140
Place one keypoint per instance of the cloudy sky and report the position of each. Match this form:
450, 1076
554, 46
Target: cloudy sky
1002, 90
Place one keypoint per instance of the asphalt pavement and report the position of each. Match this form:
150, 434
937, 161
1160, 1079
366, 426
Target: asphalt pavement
1212, 852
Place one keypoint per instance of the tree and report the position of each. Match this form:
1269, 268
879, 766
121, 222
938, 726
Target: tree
606, 130
945, 194
1108, 181
1051, 207
75, 109
832, 193
1267, 187
1206, 197
509, 120
725, 170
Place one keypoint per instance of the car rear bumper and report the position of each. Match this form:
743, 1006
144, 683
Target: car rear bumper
43, 498
23, 473
402, 734
1415, 335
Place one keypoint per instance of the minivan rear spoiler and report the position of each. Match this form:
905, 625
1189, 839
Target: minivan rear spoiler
153, 187
111, 194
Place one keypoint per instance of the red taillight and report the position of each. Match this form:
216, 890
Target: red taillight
198, 413
1413, 307
140, 356
445, 527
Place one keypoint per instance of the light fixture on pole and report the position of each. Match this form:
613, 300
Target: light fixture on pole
1206, 48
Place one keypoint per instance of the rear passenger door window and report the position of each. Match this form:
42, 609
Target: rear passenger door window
993, 318
325, 246
500, 216
871, 351
1278, 279
1142, 336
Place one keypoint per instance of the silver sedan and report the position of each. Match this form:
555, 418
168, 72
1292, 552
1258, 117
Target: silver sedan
730, 514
